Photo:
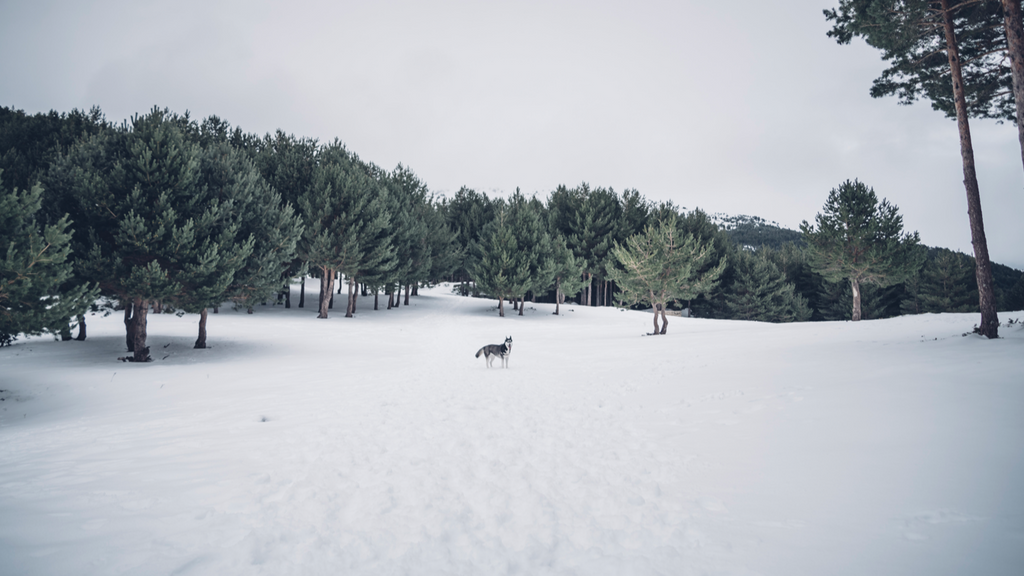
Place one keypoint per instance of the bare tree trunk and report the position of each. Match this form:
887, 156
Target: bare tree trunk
408, 289
416, 290
355, 295
855, 286
1015, 43
341, 285
376, 296
664, 319
989, 326
501, 306
656, 330
201, 341
129, 326
391, 299
288, 295
141, 352
81, 328
302, 292
351, 298
248, 310
326, 292
521, 305
558, 294
158, 307
590, 289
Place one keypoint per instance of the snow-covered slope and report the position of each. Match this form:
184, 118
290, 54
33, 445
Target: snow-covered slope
380, 445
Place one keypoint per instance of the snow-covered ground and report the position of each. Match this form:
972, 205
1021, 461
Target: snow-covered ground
380, 445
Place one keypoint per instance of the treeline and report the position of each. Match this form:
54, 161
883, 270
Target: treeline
167, 213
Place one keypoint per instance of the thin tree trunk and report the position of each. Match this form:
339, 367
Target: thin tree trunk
515, 304
351, 298
656, 330
81, 328
664, 319
201, 341
391, 300
248, 310
302, 292
341, 285
989, 326
216, 309
1015, 43
416, 290
288, 295
326, 292
408, 289
558, 294
376, 296
855, 286
141, 352
521, 305
501, 306
355, 296
129, 326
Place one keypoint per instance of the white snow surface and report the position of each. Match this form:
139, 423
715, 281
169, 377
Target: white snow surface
380, 445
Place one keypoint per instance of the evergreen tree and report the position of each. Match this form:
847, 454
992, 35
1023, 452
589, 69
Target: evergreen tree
587, 219
34, 266
861, 240
499, 268
945, 284
567, 271
466, 214
760, 291
152, 232
662, 265
342, 212
258, 219
913, 35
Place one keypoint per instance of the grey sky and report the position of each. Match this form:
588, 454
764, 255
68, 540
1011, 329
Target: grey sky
741, 107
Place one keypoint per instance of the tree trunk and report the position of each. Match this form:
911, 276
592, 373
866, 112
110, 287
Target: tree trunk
521, 305
376, 297
355, 295
351, 298
558, 294
1015, 43
326, 292
248, 310
81, 328
302, 292
855, 285
590, 289
501, 306
664, 319
408, 289
201, 341
129, 326
158, 307
141, 352
391, 300
65, 332
288, 295
216, 309
656, 330
341, 285
989, 326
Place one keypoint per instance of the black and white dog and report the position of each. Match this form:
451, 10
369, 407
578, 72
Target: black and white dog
492, 351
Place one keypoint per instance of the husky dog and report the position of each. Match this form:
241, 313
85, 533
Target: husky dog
492, 351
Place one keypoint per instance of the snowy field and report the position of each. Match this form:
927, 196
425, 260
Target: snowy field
379, 445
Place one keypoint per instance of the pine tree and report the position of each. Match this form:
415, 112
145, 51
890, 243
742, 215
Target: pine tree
760, 291
860, 240
662, 265
34, 265
342, 212
567, 271
499, 268
151, 231
913, 35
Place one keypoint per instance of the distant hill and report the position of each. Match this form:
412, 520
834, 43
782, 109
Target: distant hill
755, 231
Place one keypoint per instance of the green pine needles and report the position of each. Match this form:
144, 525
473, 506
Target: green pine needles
860, 240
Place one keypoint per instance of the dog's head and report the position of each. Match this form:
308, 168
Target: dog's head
508, 343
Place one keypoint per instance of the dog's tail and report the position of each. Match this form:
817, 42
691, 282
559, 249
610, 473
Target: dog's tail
479, 352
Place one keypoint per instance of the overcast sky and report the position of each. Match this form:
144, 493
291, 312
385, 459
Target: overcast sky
741, 107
